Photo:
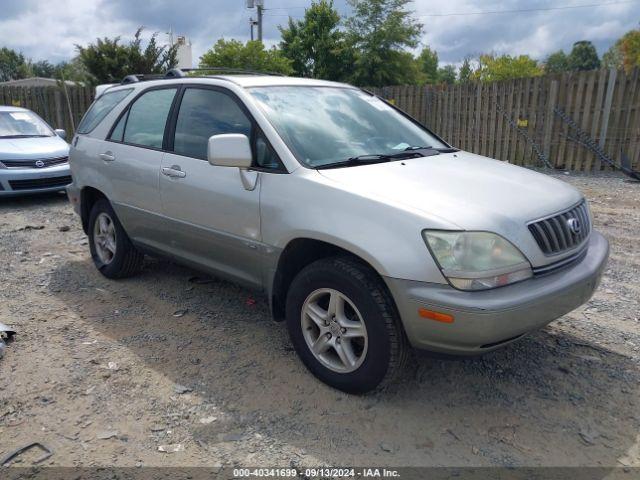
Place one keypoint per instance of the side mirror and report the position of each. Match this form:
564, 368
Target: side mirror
230, 150
61, 133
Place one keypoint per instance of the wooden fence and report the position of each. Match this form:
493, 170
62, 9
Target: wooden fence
603, 103
60, 107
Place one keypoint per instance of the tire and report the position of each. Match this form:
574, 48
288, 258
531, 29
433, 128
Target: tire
117, 257
380, 351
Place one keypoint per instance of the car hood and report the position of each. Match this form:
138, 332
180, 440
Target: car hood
28, 148
469, 191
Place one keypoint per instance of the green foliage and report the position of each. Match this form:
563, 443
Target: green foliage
505, 67
447, 74
428, 64
315, 46
466, 71
250, 56
109, 61
613, 57
630, 49
43, 68
557, 62
13, 65
73, 71
583, 56
380, 31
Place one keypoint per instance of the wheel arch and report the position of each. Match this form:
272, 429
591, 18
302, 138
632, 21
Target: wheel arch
300, 252
88, 197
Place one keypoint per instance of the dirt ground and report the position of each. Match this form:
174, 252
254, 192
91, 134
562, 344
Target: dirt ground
106, 372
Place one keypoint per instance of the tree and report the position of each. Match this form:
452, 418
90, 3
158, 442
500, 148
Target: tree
506, 67
447, 74
583, 56
380, 31
250, 56
557, 62
613, 58
630, 49
466, 71
315, 46
109, 61
428, 63
73, 70
13, 65
43, 68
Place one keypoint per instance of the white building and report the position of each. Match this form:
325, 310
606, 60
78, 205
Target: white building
185, 55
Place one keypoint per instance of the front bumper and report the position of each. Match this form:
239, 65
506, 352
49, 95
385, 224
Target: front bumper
486, 320
24, 181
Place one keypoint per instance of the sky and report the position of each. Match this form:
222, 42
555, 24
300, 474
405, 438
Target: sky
42, 29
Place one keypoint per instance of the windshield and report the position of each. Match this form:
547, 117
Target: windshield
327, 125
23, 124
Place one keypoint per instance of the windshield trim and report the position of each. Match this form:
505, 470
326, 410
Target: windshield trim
337, 87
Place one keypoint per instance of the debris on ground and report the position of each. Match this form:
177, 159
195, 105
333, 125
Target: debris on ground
4, 461
181, 389
174, 448
106, 435
6, 335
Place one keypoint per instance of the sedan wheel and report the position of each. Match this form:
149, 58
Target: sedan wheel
334, 330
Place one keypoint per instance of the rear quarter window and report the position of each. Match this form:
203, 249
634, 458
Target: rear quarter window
101, 108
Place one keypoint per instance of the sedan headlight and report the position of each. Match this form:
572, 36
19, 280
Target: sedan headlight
477, 260
2, 166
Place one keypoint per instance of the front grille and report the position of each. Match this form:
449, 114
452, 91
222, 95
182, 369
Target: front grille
38, 183
563, 231
31, 163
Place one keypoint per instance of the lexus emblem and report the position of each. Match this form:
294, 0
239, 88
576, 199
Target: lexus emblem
574, 225
39, 163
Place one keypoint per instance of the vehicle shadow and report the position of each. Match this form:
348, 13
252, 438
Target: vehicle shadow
549, 399
33, 200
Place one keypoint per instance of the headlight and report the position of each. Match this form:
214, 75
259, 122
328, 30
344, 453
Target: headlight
477, 260
2, 166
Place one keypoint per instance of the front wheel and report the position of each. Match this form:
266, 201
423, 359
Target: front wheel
112, 251
343, 325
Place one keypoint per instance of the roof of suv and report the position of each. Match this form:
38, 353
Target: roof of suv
242, 81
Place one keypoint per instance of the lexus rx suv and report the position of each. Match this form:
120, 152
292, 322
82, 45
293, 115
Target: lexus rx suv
367, 232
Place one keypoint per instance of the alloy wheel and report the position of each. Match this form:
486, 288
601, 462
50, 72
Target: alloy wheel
334, 330
104, 238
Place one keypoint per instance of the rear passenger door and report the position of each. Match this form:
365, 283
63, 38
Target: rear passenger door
214, 221
133, 157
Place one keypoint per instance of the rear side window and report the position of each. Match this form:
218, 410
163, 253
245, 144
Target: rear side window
204, 113
147, 118
101, 108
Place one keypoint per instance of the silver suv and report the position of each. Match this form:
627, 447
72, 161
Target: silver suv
368, 233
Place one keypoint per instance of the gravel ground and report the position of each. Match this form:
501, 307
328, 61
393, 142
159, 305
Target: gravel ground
109, 373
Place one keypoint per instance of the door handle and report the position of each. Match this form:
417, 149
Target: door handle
107, 156
173, 172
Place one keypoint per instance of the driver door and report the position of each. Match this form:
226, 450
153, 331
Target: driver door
214, 220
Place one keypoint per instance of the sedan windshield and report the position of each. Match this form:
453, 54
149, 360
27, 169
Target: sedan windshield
330, 125
23, 124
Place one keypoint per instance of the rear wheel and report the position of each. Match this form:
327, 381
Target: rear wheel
343, 324
112, 251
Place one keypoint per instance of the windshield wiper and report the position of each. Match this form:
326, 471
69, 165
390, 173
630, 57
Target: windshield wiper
359, 160
409, 152
22, 136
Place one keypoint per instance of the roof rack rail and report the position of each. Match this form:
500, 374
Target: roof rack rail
182, 72
231, 70
141, 78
